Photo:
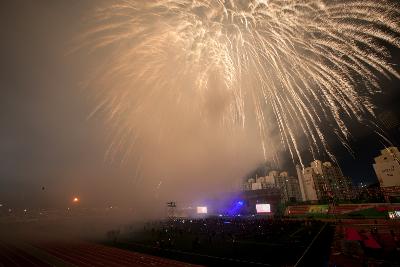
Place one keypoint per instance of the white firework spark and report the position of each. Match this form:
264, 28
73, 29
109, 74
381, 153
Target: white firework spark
291, 65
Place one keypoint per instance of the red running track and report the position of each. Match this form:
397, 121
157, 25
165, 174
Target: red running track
79, 254
11, 255
89, 254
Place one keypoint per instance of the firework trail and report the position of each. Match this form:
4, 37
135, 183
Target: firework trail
291, 65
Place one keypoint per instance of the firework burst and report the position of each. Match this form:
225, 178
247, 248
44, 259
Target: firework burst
291, 65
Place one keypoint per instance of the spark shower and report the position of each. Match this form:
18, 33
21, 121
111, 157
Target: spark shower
285, 65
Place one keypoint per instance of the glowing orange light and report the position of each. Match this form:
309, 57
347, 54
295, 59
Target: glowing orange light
76, 200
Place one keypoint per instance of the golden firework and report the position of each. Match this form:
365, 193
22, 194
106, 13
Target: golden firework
291, 65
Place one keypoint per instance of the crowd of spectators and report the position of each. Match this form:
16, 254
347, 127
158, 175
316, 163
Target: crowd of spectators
255, 238
232, 230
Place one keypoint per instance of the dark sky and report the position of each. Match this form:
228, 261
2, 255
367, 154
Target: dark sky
46, 138
365, 143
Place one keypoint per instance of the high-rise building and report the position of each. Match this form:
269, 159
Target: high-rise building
307, 180
387, 169
340, 186
324, 181
287, 185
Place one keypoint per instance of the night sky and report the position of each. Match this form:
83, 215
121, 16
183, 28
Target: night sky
47, 139
366, 144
